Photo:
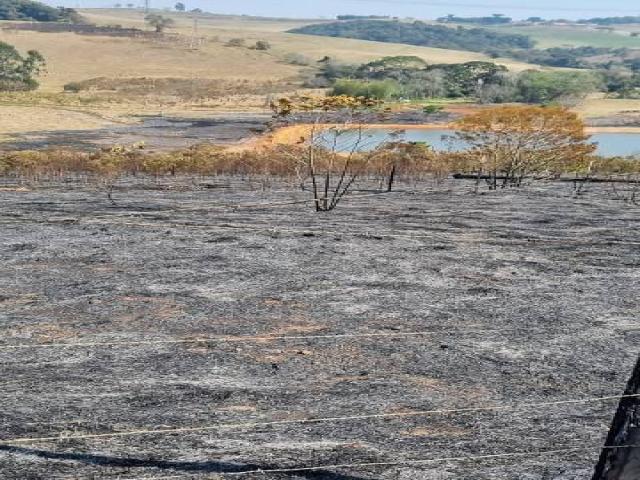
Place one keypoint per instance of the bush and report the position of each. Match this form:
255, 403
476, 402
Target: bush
545, 87
377, 89
262, 45
236, 42
72, 87
431, 109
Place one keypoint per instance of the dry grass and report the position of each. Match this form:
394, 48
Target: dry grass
605, 107
16, 119
73, 57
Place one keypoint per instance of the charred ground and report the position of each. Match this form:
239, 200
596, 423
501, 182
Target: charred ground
531, 296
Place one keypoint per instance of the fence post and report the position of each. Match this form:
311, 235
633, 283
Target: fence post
623, 463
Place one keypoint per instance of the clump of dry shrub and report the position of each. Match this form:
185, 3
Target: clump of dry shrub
409, 162
185, 88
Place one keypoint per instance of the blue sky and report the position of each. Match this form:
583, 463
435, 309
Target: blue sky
412, 8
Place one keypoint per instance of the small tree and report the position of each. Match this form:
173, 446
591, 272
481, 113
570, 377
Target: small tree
334, 156
159, 22
180, 7
510, 143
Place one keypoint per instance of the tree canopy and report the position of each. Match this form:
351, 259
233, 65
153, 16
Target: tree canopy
419, 33
159, 22
514, 142
17, 73
35, 11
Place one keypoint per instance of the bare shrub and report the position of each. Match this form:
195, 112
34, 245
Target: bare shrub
236, 42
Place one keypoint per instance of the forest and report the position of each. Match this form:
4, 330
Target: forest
420, 33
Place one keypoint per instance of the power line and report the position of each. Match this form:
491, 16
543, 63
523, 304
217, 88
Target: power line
432, 460
171, 431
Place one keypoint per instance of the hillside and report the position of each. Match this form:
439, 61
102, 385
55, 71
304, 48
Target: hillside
72, 58
420, 33
548, 36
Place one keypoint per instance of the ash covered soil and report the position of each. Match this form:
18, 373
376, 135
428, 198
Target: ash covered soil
527, 296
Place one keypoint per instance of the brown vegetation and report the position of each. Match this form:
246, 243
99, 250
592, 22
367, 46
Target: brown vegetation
186, 88
514, 142
413, 162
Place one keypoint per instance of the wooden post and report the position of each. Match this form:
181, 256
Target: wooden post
392, 177
623, 463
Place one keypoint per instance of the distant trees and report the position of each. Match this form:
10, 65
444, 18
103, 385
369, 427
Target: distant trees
420, 33
362, 17
495, 19
535, 86
611, 20
159, 22
511, 143
30, 10
17, 73
411, 78
180, 7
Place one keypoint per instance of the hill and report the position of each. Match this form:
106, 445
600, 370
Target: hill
548, 36
420, 33
72, 58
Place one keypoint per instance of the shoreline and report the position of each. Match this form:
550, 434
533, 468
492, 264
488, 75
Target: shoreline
432, 126
295, 134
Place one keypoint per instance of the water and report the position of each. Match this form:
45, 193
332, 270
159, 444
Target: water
609, 144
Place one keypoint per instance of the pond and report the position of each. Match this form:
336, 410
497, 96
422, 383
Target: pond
609, 144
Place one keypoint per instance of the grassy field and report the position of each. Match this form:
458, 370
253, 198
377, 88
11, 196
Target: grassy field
548, 36
608, 106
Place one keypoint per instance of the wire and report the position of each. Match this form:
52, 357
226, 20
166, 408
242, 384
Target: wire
471, 458
432, 460
170, 431
247, 339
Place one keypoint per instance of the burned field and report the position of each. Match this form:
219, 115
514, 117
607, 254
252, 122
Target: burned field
418, 300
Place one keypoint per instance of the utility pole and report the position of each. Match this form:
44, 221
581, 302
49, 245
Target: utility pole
623, 463
146, 6
194, 33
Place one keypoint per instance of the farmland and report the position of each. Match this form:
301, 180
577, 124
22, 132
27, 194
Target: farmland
221, 306
548, 36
